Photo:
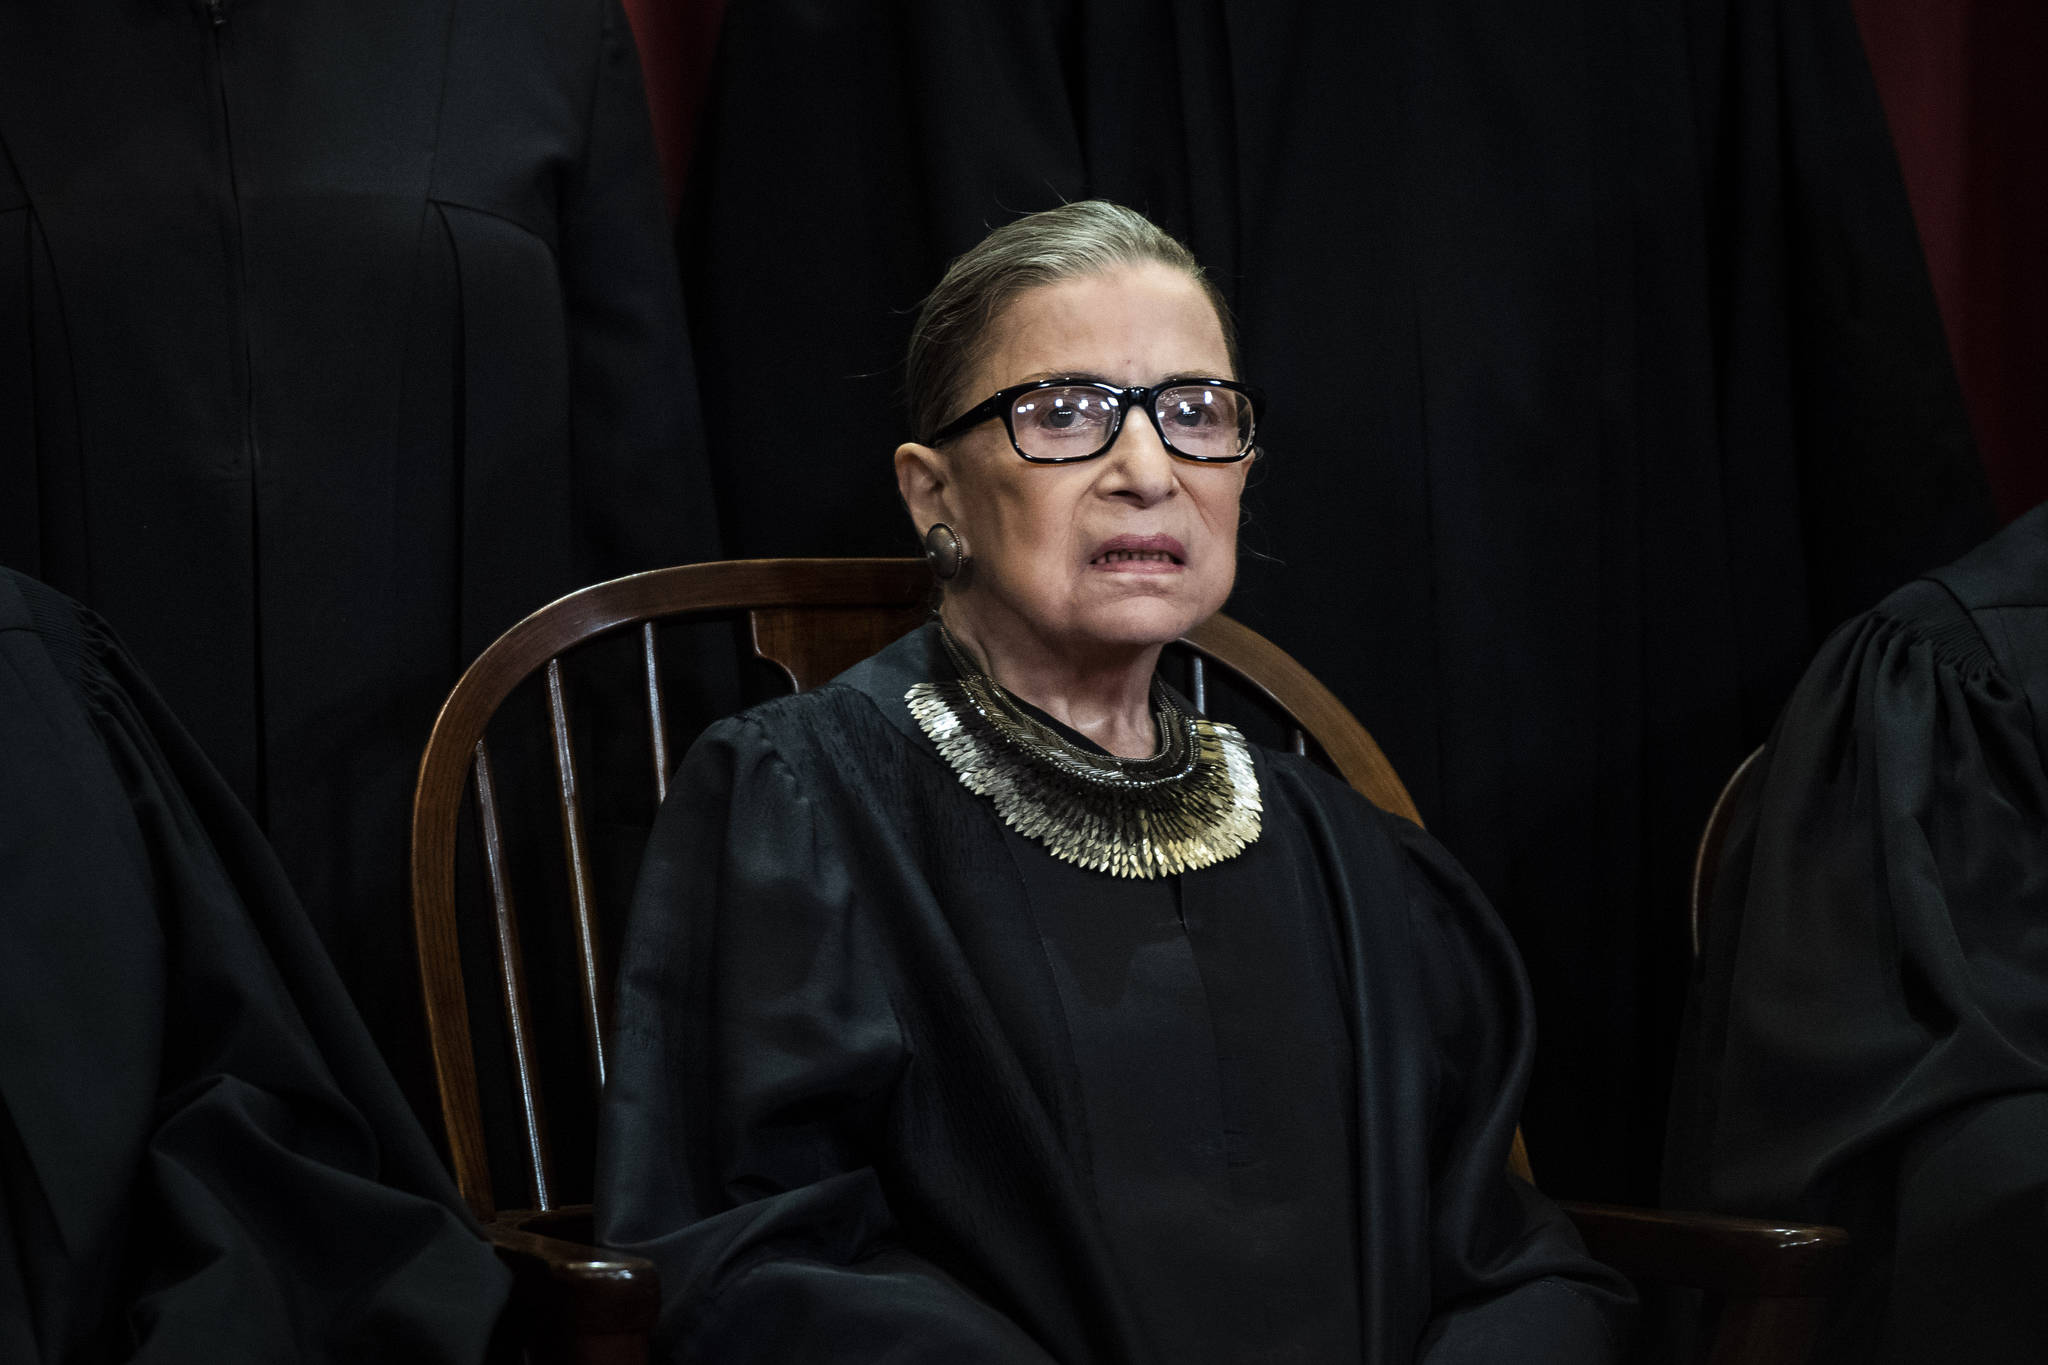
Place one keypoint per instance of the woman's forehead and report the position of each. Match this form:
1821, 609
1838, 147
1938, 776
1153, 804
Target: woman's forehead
1134, 324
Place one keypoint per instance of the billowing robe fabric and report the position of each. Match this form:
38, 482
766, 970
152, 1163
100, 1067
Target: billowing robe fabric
335, 336
1606, 378
880, 1091
202, 1158
1869, 1039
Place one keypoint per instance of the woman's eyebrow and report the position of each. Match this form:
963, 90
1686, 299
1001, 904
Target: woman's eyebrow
1092, 377
1089, 376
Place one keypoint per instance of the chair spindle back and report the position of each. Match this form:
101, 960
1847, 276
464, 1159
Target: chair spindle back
811, 619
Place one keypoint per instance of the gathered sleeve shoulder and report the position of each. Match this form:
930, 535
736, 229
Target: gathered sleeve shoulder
1875, 949
758, 1049
202, 1155
1868, 1042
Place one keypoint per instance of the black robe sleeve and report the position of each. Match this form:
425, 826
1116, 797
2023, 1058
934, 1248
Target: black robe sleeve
756, 1048
202, 1157
1869, 1040
1510, 1278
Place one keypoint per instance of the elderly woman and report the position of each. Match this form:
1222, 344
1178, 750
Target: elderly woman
990, 1004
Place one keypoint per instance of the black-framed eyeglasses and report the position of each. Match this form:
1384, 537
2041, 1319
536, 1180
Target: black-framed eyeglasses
1062, 421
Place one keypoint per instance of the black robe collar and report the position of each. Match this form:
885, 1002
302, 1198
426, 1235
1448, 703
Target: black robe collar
884, 678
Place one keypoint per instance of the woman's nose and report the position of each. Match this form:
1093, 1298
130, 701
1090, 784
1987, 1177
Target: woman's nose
1140, 466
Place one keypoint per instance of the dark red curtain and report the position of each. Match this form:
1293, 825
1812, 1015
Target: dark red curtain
677, 39
1965, 86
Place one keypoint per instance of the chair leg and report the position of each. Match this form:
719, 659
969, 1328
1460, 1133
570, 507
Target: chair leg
1754, 1330
570, 1348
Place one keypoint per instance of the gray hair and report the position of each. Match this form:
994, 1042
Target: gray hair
1064, 243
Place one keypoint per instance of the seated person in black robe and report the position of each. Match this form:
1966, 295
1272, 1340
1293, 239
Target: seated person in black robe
202, 1157
1868, 1043
987, 1004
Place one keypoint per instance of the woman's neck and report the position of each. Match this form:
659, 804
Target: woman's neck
1105, 692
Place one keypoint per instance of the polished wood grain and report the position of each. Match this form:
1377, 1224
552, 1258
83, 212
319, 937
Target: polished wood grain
1765, 1286
512, 982
592, 982
814, 645
657, 712
1312, 707
1743, 1256
577, 1304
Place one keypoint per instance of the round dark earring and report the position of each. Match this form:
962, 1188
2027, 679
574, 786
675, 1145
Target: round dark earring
943, 551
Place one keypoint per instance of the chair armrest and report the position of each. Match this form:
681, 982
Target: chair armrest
581, 1303
1738, 1256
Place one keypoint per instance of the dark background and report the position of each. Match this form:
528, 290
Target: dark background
1964, 85
1606, 373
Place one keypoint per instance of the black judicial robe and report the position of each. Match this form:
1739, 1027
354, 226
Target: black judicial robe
890, 1082
1869, 1041
1605, 378
335, 336
202, 1158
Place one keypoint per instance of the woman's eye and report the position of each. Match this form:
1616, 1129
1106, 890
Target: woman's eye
1063, 414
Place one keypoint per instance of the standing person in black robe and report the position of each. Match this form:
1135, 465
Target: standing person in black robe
1868, 1044
956, 1023
1607, 378
334, 337
202, 1158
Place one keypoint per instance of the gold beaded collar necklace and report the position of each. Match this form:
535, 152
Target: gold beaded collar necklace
1192, 804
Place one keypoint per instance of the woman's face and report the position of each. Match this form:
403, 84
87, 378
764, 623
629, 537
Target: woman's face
1131, 548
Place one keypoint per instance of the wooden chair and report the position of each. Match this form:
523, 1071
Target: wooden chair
1791, 1318
811, 619
1706, 864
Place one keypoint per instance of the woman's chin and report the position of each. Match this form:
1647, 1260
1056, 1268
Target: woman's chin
1144, 620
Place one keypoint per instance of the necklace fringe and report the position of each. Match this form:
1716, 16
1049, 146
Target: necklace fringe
1190, 806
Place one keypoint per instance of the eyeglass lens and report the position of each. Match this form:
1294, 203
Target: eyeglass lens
1073, 422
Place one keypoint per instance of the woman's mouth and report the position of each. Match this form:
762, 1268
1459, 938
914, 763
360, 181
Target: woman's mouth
1140, 554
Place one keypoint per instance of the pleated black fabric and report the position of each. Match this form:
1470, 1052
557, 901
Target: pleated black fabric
879, 1085
335, 336
202, 1158
1869, 1042
1211, 1054
1604, 373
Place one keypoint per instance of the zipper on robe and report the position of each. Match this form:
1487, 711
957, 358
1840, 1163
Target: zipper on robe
216, 12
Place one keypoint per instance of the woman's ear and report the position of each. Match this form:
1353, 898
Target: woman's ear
925, 481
